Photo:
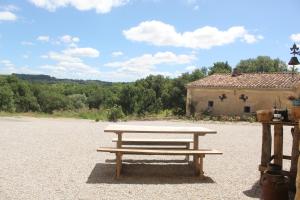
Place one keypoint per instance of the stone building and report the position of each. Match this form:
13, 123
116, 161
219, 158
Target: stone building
240, 94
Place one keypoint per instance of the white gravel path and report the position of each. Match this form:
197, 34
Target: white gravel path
57, 159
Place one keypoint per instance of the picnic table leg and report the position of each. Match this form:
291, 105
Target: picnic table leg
187, 158
118, 164
201, 172
197, 165
119, 155
196, 157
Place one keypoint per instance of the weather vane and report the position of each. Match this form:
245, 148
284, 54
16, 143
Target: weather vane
294, 60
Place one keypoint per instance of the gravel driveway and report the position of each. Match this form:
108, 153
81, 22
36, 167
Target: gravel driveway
57, 159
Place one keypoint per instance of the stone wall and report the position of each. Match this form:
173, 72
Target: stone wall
257, 99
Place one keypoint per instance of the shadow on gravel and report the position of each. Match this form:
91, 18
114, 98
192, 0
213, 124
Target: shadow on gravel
254, 191
146, 174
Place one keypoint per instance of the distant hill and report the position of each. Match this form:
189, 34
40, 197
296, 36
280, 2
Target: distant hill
49, 79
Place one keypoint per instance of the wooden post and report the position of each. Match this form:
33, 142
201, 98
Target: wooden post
298, 181
119, 155
196, 146
266, 145
118, 164
187, 157
294, 156
197, 165
278, 144
119, 142
201, 172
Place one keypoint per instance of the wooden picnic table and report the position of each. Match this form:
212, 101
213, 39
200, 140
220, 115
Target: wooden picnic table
195, 131
136, 129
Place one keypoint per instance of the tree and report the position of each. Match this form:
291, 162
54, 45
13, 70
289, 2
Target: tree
147, 102
52, 100
128, 96
220, 67
25, 101
96, 98
177, 95
6, 99
77, 101
261, 64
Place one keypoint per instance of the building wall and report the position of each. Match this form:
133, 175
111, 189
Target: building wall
257, 99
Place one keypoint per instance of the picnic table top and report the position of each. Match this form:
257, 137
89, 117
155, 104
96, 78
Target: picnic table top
117, 128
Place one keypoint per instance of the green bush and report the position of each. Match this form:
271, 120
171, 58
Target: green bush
115, 113
6, 99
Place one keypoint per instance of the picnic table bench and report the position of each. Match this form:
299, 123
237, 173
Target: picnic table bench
159, 146
162, 143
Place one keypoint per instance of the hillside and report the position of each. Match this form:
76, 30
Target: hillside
49, 79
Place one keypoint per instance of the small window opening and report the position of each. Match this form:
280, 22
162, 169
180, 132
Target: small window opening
247, 109
210, 104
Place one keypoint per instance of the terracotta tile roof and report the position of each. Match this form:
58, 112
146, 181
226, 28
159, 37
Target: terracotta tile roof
248, 80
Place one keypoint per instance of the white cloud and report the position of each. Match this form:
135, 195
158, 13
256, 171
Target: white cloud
7, 67
9, 7
82, 52
69, 39
7, 16
27, 43
146, 64
162, 34
295, 37
7, 63
43, 38
25, 56
69, 63
117, 53
248, 38
191, 68
101, 6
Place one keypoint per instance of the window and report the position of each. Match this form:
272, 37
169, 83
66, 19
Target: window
210, 104
247, 109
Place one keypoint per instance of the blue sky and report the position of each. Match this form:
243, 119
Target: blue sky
124, 40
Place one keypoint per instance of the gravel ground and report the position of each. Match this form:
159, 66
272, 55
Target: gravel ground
57, 159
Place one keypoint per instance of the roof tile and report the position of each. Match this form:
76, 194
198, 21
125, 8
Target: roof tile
278, 80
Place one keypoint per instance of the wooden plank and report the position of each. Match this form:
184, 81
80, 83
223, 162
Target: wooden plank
286, 157
281, 122
157, 129
152, 140
295, 149
156, 147
266, 145
278, 144
158, 151
154, 143
294, 156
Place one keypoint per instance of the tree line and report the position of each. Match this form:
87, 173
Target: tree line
149, 95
